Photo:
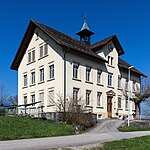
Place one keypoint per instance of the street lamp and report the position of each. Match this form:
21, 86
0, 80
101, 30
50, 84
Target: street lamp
129, 94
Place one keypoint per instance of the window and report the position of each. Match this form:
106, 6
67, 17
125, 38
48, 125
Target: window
88, 69
119, 82
25, 80
75, 71
110, 60
126, 103
31, 56
99, 76
51, 97
43, 50
25, 100
88, 93
51, 71
75, 94
32, 77
110, 79
41, 97
33, 99
42, 74
98, 98
119, 102
126, 84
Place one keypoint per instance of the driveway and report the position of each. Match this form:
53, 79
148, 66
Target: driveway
103, 132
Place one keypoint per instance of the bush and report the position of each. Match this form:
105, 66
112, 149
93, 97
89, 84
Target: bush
2, 111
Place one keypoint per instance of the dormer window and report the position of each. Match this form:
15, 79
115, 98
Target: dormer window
110, 60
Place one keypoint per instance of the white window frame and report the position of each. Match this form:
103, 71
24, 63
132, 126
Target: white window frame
110, 79
51, 71
99, 99
75, 94
25, 80
41, 97
43, 50
88, 73
50, 97
99, 76
31, 56
33, 99
88, 97
75, 70
119, 103
25, 98
41, 74
119, 81
32, 77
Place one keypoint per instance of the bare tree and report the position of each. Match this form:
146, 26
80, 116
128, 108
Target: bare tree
74, 111
3, 94
139, 96
13, 100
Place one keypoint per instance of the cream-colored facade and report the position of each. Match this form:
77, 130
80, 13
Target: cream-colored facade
100, 84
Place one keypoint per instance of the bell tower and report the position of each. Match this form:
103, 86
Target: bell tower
85, 33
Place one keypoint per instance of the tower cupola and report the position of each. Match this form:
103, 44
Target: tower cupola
85, 33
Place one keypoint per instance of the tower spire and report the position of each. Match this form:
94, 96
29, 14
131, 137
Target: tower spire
85, 33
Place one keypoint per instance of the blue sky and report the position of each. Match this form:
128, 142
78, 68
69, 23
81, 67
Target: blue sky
128, 19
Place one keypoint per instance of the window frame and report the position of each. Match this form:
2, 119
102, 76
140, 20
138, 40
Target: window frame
25, 80
119, 103
75, 71
88, 73
33, 98
41, 74
51, 71
99, 76
99, 99
110, 79
88, 97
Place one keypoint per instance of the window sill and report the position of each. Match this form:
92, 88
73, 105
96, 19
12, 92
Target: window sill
99, 84
89, 106
89, 82
100, 107
110, 66
51, 79
50, 105
41, 82
110, 87
76, 79
43, 57
126, 109
31, 62
32, 85
120, 89
24, 87
120, 109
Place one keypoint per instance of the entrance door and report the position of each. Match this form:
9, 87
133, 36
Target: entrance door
109, 106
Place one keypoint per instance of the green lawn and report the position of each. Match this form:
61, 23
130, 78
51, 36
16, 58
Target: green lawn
133, 128
140, 143
25, 127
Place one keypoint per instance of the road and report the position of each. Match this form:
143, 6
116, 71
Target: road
103, 132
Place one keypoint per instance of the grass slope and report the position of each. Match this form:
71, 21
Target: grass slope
140, 143
24, 127
132, 128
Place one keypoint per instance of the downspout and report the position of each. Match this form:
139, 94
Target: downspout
66, 51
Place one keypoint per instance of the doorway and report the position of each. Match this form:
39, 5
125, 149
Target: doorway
109, 106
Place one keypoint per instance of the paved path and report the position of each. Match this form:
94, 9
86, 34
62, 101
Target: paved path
102, 133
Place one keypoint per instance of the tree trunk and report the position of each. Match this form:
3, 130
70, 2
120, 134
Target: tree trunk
137, 111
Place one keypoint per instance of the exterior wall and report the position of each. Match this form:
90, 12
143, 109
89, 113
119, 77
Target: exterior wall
55, 56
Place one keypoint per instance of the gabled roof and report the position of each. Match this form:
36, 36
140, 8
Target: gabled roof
104, 42
125, 65
59, 37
